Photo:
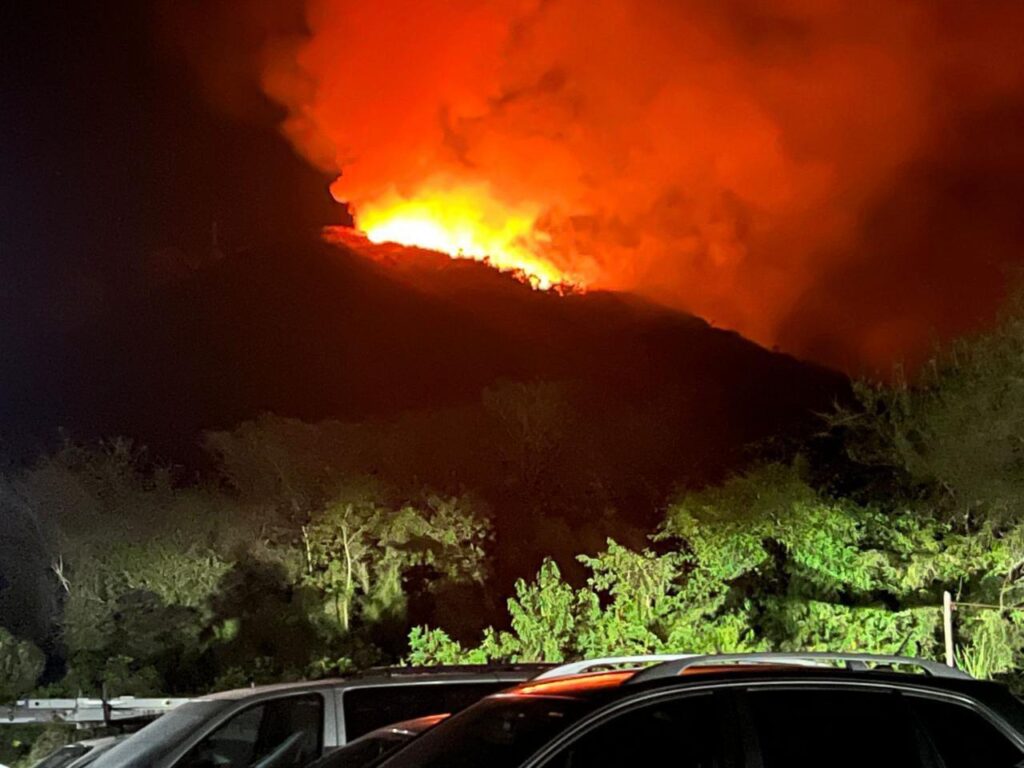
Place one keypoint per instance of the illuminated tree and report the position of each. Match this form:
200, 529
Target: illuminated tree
952, 447
358, 554
21, 663
759, 563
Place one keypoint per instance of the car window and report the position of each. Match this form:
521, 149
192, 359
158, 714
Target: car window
283, 733
367, 709
499, 732
232, 744
163, 736
684, 733
964, 738
840, 728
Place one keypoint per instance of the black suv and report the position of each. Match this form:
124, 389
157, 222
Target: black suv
743, 711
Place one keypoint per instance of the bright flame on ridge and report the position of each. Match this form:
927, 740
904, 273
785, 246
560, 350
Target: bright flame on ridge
465, 223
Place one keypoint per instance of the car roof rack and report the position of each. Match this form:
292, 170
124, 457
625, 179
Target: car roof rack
593, 665
485, 668
851, 661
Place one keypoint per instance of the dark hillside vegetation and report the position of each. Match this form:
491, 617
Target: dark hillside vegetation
315, 548
311, 331
571, 418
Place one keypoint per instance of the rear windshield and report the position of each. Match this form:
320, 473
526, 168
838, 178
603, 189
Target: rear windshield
499, 732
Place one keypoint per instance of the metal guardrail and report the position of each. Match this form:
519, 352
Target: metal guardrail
86, 710
850, 661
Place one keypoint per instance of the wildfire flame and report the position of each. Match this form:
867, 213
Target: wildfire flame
466, 223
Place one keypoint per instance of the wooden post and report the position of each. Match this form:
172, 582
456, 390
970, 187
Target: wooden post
947, 626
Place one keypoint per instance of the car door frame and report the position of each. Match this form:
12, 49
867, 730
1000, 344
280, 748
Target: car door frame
724, 703
906, 691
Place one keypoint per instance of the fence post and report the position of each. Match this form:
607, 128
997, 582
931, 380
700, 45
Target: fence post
947, 626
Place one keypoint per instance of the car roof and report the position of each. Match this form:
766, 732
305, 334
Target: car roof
618, 683
605, 687
482, 673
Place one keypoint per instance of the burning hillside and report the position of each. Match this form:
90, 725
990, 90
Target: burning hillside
788, 169
418, 247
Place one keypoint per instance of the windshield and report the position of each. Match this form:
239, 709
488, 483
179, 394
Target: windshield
499, 732
161, 736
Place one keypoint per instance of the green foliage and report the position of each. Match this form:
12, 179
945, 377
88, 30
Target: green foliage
762, 562
636, 601
16, 743
632, 603
161, 589
956, 434
535, 419
175, 571
45, 740
953, 444
21, 663
136, 611
545, 618
809, 625
294, 565
280, 461
767, 560
996, 640
358, 555
434, 646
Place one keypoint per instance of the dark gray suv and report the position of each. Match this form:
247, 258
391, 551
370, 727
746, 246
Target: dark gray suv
755, 711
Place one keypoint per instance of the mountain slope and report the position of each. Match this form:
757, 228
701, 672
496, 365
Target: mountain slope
313, 331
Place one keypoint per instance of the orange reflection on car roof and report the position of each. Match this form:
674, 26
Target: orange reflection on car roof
564, 686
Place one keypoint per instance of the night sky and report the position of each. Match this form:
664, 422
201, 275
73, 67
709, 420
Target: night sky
110, 153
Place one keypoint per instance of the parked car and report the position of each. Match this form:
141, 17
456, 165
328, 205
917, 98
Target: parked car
79, 754
370, 750
375, 746
743, 711
290, 725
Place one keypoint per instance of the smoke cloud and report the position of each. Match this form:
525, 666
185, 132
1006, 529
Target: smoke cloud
841, 179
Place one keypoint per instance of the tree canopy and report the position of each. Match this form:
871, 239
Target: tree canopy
295, 557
